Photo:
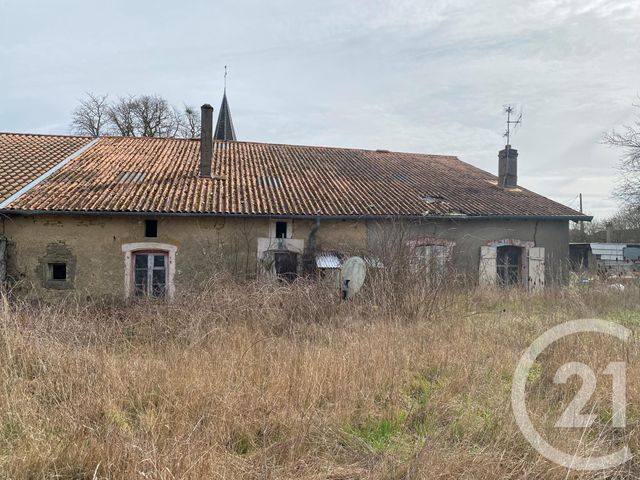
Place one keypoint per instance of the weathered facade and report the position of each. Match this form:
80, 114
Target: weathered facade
95, 248
119, 217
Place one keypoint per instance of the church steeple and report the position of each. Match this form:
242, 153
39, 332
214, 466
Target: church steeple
224, 127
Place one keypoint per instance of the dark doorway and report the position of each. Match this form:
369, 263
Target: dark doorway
286, 264
509, 263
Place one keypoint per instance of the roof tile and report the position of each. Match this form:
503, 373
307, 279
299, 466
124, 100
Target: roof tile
312, 181
24, 157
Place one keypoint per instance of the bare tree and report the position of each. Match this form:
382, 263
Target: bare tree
190, 127
625, 223
121, 117
144, 116
154, 117
627, 218
628, 188
90, 117
134, 116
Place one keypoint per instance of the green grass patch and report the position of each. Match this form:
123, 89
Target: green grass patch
627, 317
377, 432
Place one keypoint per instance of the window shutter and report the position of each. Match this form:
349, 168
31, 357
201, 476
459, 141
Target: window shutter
488, 273
536, 269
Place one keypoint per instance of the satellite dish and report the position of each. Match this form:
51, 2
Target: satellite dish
354, 270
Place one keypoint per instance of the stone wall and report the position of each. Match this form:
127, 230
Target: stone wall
92, 246
469, 236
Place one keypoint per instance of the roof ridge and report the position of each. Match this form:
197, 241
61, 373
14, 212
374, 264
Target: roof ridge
352, 149
186, 139
61, 135
248, 142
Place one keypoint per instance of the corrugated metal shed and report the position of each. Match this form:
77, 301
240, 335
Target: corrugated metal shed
328, 260
632, 253
609, 251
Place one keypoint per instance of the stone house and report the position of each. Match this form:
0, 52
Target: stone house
121, 216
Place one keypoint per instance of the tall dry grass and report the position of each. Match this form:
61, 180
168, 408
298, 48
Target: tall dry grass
273, 381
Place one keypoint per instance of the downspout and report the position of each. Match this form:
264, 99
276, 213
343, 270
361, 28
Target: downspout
310, 261
3, 255
312, 236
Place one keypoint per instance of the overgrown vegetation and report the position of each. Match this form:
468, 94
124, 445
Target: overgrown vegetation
284, 381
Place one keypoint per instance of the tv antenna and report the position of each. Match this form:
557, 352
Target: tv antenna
512, 125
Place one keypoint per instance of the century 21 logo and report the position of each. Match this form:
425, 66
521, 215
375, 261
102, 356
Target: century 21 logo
572, 416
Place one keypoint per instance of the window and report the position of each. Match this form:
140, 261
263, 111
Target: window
432, 258
57, 272
145, 273
281, 229
509, 264
150, 274
151, 228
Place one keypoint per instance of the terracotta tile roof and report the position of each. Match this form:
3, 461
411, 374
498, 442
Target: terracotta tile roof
24, 157
161, 176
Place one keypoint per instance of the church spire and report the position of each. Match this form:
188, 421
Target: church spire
224, 127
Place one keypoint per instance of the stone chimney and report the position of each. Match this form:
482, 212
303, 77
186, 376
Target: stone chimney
508, 167
206, 139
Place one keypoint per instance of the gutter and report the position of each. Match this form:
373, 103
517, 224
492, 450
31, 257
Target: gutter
47, 174
106, 213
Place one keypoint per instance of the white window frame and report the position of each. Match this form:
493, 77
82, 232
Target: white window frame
130, 248
150, 269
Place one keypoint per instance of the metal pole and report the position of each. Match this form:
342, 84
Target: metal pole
581, 222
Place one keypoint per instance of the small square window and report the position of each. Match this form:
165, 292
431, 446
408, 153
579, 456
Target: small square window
151, 228
281, 229
58, 271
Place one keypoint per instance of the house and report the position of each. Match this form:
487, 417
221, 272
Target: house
121, 216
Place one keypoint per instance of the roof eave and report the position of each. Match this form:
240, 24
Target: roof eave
21, 212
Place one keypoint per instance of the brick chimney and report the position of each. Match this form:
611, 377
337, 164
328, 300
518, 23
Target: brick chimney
206, 139
508, 167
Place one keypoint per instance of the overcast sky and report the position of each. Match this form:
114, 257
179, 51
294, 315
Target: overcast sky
410, 75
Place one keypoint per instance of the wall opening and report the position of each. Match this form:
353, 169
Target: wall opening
57, 267
151, 228
281, 229
58, 272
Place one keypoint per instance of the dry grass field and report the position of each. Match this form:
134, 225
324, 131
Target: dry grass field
263, 381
